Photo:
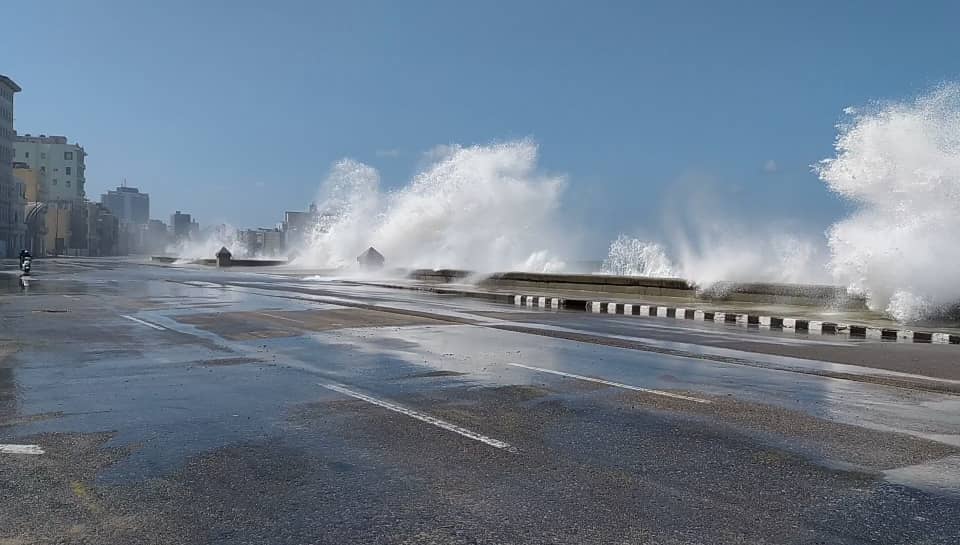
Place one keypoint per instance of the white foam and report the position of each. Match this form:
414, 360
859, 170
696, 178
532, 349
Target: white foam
481, 208
900, 164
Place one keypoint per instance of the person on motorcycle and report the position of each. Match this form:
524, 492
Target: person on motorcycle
23, 255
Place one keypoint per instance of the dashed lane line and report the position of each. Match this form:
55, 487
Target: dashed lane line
143, 322
21, 449
423, 418
614, 384
281, 317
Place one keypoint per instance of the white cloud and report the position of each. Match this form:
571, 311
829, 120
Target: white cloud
770, 166
391, 153
260, 184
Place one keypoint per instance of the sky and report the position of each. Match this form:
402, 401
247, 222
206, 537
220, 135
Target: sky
234, 111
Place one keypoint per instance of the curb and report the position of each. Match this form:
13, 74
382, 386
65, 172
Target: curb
798, 325
776, 323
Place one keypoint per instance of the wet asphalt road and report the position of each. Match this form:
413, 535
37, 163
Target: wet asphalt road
196, 406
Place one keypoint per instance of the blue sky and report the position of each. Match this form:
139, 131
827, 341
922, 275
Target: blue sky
234, 110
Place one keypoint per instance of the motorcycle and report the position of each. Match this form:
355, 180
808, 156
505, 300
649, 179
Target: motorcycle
26, 266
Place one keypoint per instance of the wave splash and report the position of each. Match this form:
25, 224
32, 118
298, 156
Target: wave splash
899, 163
483, 208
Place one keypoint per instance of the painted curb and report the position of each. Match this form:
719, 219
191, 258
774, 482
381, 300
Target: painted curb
759, 321
798, 325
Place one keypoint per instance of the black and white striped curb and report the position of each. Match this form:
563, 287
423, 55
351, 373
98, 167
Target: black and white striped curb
777, 323
537, 301
815, 327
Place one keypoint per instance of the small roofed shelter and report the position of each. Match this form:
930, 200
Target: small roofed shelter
371, 259
223, 257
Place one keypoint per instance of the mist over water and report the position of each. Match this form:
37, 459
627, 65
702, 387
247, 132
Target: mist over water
483, 208
900, 164
207, 244
706, 257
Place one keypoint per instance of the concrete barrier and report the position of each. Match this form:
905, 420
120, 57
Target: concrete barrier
629, 285
786, 294
253, 262
750, 292
439, 275
213, 261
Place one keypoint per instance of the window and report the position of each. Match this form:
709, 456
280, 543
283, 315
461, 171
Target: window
26, 154
68, 183
68, 155
68, 171
43, 155
54, 181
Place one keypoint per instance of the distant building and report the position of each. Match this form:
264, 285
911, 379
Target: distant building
299, 228
60, 164
66, 228
180, 225
12, 198
262, 242
33, 183
35, 208
102, 231
35, 216
128, 204
155, 237
132, 210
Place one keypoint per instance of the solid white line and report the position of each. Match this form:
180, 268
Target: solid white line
615, 384
423, 417
20, 449
148, 324
281, 317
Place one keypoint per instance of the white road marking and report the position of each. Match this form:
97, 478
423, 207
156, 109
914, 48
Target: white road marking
148, 324
615, 384
423, 418
20, 449
281, 317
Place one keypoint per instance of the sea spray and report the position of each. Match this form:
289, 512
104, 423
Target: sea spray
205, 245
705, 257
899, 163
635, 257
484, 208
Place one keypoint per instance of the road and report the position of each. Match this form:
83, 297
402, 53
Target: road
145, 404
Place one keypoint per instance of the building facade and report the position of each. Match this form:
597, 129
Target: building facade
155, 237
128, 204
180, 226
12, 193
262, 242
35, 190
60, 164
132, 210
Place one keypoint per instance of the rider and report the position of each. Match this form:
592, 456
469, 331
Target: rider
23, 255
